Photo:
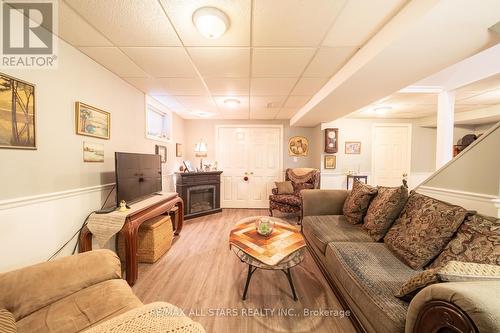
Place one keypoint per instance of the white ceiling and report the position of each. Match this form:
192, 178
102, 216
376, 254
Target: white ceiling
475, 96
274, 57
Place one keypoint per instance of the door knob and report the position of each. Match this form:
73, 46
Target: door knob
251, 173
246, 173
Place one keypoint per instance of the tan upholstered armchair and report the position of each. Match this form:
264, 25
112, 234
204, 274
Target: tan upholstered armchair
301, 178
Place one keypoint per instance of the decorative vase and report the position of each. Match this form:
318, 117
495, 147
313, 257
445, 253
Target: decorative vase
264, 226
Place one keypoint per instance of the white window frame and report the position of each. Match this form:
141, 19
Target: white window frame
155, 106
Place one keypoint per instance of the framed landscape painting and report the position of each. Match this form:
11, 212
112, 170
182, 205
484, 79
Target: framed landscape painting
91, 121
93, 152
17, 113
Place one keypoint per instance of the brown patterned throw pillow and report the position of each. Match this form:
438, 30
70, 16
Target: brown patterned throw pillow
477, 240
416, 283
384, 210
423, 229
356, 203
7, 322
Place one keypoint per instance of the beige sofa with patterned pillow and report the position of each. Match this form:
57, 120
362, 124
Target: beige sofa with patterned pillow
79, 292
413, 233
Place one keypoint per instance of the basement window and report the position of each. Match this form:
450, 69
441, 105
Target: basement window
158, 121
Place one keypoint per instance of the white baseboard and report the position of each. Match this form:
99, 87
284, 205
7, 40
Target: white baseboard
482, 203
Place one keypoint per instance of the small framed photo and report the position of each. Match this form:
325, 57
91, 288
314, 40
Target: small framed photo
178, 149
93, 152
189, 166
353, 147
162, 151
91, 121
330, 162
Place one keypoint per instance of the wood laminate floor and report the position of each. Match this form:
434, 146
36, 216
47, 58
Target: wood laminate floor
203, 277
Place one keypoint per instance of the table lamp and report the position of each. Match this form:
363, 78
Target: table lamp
201, 150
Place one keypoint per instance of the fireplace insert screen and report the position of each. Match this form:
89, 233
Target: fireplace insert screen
201, 198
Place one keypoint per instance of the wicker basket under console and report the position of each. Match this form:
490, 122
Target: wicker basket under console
153, 239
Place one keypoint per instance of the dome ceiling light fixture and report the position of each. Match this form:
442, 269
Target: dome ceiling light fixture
232, 102
211, 22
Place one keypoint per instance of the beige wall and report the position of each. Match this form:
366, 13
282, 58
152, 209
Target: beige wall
57, 164
194, 130
46, 194
476, 171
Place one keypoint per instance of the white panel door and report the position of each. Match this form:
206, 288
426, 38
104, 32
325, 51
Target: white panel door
391, 155
252, 152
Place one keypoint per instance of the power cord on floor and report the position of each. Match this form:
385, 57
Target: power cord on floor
79, 231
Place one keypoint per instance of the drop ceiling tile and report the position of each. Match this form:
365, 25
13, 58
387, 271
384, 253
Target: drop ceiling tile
221, 61
170, 102
266, 102
242, 106
147, 85
162, 61
121, 23
328, 60
490, 83
286, 113
491, 97
295, 101
308, 86
272, 86
182, 86
283, 62
114, 60
228, 86
359, 20
197, 103
263, 116
292, 22
240, 115
468, 107
76, 31
411, 98
238, 13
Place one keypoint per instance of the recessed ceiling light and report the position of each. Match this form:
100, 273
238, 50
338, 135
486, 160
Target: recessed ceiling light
211, 22
232, 102
382, 109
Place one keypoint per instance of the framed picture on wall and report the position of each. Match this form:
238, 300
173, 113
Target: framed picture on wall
17, 113
353, 147
178, 149
298, 146
91, 121
330, 162
162, 151
93, 152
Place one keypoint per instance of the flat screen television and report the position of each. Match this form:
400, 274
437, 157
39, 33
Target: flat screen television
137, 176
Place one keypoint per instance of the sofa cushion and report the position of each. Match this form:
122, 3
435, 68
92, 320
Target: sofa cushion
7, 322
321, 230
384, 210
288, 199
82, 309
369, 275
423, 229
285, 187
356, 204
477, 240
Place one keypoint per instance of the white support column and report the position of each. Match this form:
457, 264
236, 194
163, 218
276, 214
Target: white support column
445, 124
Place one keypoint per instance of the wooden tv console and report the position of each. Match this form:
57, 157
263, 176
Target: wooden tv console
131, 227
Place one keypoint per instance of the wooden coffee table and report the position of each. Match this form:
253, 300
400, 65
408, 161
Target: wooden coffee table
282, 250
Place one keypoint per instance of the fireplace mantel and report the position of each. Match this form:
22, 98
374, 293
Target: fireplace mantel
200, 192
